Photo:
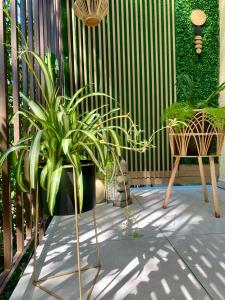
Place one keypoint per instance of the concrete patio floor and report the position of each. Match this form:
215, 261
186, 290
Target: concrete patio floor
177, 253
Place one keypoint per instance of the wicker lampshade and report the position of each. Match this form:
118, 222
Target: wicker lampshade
91, 12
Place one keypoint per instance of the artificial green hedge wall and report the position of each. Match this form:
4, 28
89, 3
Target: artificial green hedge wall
203, 68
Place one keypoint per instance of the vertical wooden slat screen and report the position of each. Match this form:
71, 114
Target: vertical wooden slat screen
27, 196
138, 37
7, 212
15, 94
40, 25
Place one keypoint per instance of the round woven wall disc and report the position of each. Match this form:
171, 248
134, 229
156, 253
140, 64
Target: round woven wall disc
198, 17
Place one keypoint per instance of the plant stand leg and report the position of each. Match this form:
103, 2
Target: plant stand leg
202, 174
77, 235
98, 263
172, 178
214, 187
38, 281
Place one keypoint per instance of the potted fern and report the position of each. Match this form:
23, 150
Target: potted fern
59, 135
201, 122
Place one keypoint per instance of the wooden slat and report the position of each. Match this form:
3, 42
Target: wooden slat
60, 47
105, 60
100, 63
56, 25
42, 53
30, 13
69, 45
157, 80
74, 51
118, 51
27, 196
143, 115
138, 83
45, 24
123, 69
151, 14
173, 47
90, 65
41, 43
15, 68
166, 80
7, 211
114, 57
24, 33
85, 54
133, 156
109, 60
37, 45
53, 26
95, 65
170, 49
80, 59
41, 28
149, 164
48, 16
161, 145
128, 62
15, 79
30, 44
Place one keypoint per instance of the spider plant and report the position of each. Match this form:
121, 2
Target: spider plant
58, 133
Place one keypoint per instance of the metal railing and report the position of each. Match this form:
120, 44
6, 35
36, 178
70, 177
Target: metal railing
39, 21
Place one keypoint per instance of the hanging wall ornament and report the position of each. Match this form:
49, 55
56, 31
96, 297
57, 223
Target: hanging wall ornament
198, 18
91, 12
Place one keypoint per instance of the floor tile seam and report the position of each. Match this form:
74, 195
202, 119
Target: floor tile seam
152, 238
191, 236
134, 239
144, 209
199, 280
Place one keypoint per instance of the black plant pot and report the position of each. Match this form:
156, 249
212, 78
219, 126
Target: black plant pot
65, 197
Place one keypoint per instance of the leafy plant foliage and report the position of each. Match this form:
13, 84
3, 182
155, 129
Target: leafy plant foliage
59, 134
204, 68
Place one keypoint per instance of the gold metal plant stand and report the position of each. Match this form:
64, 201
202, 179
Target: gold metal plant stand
199, 133
38, 281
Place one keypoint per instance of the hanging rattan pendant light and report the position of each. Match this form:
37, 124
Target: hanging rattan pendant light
91, 12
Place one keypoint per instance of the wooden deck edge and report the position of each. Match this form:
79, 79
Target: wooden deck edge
187, 174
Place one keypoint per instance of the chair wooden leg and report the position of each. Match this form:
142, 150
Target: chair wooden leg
172, 178
202, 174
214, 187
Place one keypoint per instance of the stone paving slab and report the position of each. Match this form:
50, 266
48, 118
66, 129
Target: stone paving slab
177, 253
205, 256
